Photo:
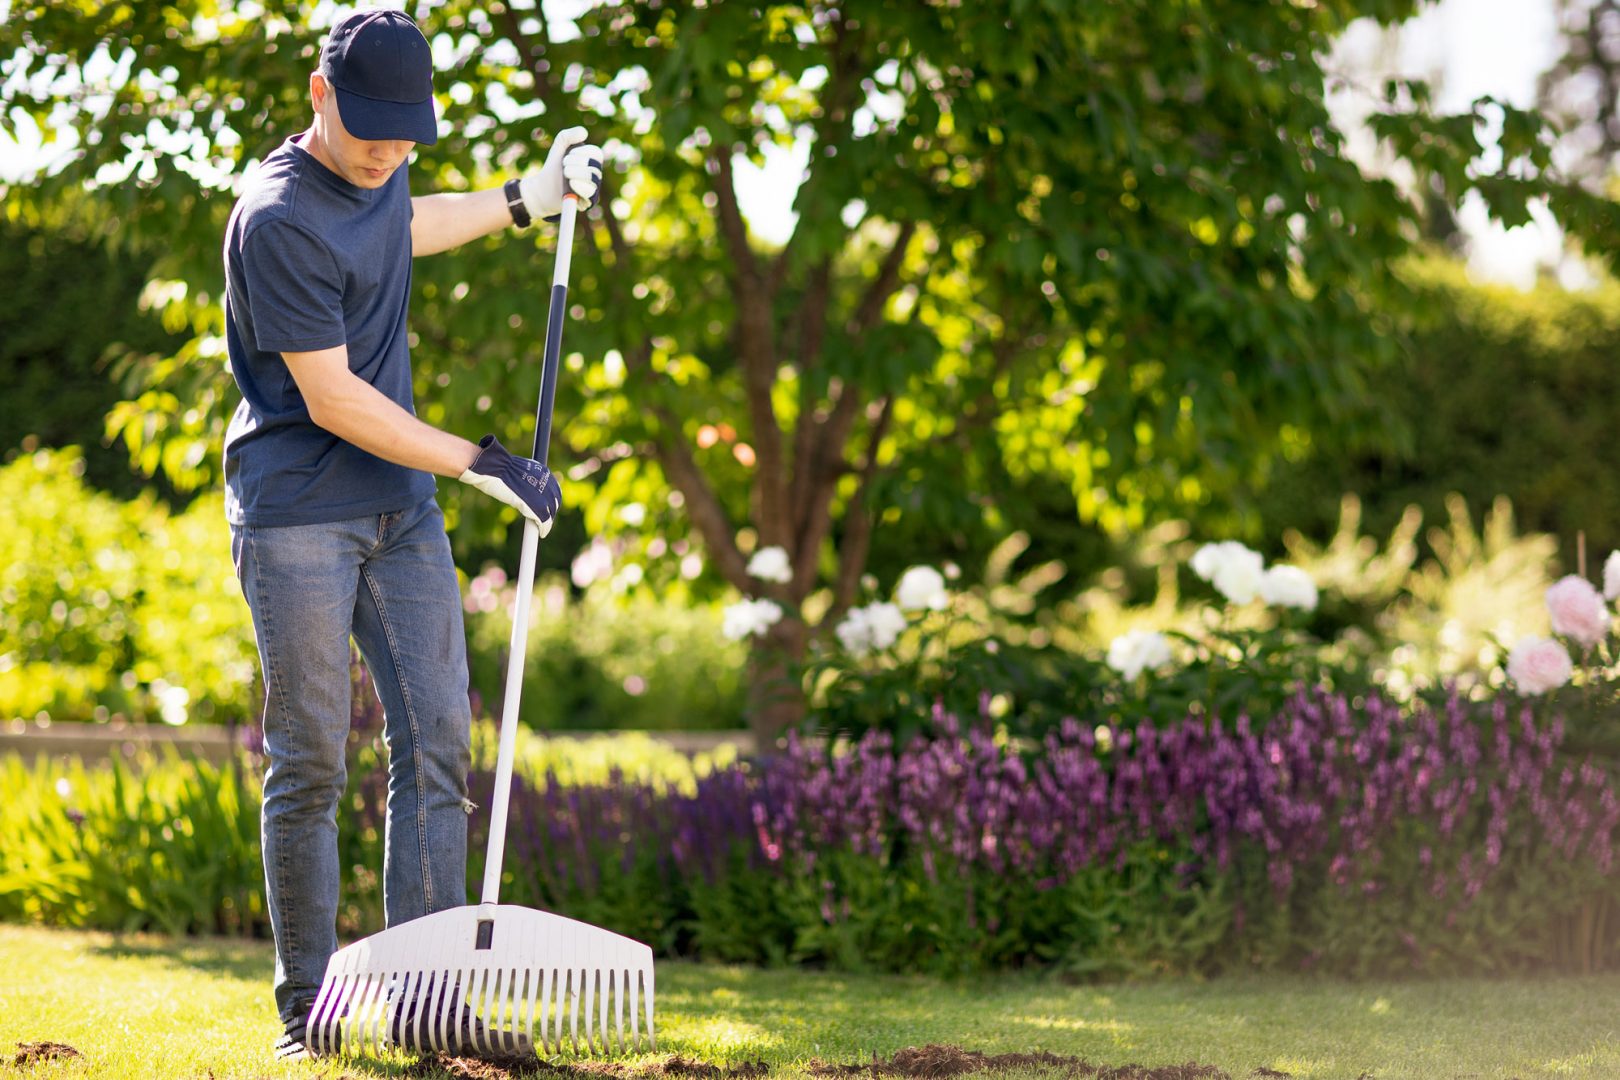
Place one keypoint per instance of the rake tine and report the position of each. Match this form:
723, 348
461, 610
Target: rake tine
489, 1010
559, 1008
623, 979
577, 979
440, 1005
543, 1010
483, 1039
590, 1013
406, 1023
506, 1012
420, 1031
315, 1031
635, 1010
647, 988
374, 1019
345, 1023
444, 1007
525, 1025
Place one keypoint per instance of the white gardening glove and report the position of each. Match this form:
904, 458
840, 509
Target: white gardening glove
571, 159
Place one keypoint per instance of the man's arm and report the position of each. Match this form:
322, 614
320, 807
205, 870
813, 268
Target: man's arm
357, 412
441, 222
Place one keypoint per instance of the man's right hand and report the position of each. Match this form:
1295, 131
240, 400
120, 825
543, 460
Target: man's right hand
517, 481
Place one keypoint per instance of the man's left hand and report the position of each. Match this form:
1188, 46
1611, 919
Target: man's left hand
573, 166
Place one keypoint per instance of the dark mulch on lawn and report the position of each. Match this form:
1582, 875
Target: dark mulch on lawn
932, 1062
30, 1053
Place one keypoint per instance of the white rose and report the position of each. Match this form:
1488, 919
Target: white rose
771, 564
1138, 651
1288, 586
921, 588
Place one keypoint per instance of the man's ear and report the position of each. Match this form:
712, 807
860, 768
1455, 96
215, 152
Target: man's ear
318, 89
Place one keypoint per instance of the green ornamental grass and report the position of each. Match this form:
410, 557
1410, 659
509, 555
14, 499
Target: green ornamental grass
145, 1006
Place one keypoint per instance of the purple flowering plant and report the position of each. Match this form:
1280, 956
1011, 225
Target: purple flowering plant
1349, 833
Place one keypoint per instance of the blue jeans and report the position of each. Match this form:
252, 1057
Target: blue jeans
387, 580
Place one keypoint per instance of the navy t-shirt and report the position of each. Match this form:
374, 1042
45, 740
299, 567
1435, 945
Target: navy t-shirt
313, 262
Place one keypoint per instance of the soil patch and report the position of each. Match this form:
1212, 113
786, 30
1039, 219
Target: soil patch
31, 1053
936, 1062
931, 1062
529, 1067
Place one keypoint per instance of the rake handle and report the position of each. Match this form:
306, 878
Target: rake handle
556, 315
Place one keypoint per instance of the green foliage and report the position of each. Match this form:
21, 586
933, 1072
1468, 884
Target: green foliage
173, 846
113, 607
1503, 393
605, 661
1110, 251
70, 306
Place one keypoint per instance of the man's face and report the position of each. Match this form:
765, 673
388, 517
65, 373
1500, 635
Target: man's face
365, 163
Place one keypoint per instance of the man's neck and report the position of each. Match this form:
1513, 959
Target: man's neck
312, 141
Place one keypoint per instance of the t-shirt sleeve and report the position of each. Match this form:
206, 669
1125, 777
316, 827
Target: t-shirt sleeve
293, 289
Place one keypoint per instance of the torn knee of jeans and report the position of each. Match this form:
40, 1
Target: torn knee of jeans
468, 805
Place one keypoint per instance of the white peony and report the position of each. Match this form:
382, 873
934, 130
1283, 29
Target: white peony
1238, 579
1234, 569
748, 618
771, 564
921, 588
1138, 651
1537, 665
855, 632
1288, 586
1611, 576
1211, 557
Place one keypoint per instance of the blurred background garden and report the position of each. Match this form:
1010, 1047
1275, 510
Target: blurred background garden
1101, 481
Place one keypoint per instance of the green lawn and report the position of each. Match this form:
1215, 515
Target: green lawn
152, 1007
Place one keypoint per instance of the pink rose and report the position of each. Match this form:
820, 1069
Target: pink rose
1578, 611
1537, 665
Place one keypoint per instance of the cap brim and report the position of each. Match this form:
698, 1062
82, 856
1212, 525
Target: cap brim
371, 119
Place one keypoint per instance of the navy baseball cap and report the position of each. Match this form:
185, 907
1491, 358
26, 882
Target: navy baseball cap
382, 69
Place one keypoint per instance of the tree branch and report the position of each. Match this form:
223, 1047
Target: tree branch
833, 127
857, 543
887, 280
713, 524
826, 466
757, 352
812, 330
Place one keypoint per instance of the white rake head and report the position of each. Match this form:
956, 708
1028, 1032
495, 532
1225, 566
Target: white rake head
540, 981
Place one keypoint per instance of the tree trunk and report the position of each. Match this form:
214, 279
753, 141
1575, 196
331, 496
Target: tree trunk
775, 696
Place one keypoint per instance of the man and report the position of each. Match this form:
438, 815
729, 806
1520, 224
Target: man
334, 527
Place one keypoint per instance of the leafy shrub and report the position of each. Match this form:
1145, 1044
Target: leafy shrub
68, 301
602, 661
1220, 660
1501, 393
173, 846
114, 607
